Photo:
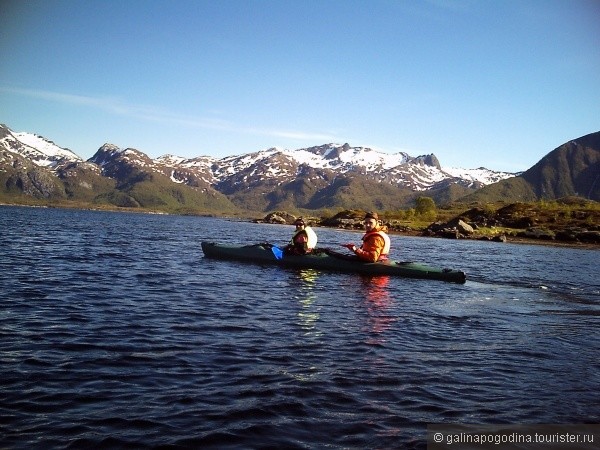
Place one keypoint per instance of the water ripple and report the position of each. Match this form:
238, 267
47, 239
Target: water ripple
112, 338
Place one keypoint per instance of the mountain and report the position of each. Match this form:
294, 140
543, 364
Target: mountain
31, 166
144, 182
328, 176
572, 169
39, 150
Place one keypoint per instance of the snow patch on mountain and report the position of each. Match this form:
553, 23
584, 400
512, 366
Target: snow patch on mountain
40, 151
171, 160
418, 173
45, 147
480, 175
344, 158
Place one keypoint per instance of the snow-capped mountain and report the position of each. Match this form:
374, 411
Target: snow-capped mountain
41, 151
275, 173
416, 173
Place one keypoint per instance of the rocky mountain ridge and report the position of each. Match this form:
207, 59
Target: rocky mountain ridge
326, 176
416, 173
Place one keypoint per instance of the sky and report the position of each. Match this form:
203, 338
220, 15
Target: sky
479, 83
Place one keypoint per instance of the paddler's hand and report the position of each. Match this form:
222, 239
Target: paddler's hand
350, 247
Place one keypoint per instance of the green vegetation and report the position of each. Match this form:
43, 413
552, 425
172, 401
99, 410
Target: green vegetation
425, 208
545, 219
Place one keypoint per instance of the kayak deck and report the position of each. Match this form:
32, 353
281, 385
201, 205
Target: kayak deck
329, 260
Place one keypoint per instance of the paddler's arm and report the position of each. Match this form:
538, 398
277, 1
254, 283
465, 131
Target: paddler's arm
371, 249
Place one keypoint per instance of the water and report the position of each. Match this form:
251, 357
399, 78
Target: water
115, 332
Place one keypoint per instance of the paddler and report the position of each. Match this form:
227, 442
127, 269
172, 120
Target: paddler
304, 239
376, 243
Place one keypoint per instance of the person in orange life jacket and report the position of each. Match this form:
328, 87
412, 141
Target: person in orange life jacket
376, 243
304, 239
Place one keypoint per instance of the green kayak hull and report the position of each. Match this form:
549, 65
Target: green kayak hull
329, 260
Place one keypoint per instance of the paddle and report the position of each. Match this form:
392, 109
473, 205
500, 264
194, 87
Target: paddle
277, 252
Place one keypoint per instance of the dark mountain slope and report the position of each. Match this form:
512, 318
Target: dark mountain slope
573, 169
20, 176
360, 193
142, 182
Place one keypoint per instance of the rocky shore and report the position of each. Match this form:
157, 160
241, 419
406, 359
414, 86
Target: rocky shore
513, 223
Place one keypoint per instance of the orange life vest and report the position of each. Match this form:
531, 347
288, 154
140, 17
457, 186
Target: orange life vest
372, 250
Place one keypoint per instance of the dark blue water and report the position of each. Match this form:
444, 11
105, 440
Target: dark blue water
115, 332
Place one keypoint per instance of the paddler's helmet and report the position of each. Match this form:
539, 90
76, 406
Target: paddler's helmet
299, 222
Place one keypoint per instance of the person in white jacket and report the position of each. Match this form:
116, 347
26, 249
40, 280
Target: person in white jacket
304, 239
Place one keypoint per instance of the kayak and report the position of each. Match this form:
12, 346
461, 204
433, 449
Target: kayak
325, 259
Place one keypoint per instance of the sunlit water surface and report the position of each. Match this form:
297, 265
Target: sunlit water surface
116, 332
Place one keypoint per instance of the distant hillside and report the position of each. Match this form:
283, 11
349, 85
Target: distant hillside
35, 169
573, 169
330, 176
140, 182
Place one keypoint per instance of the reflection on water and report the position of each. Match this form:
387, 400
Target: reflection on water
378, 300
375, 291
307, 314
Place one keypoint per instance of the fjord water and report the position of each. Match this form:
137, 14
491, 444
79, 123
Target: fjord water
115, 332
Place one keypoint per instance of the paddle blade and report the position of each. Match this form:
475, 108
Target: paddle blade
277, 252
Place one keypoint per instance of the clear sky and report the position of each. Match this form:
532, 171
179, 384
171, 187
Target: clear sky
493, 83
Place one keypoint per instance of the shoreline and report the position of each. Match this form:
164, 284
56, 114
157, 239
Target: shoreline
510, 239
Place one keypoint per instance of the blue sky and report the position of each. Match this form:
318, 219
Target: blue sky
486, 83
